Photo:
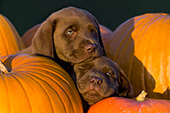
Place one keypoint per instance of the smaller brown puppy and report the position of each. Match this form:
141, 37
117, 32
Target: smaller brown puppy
101, 78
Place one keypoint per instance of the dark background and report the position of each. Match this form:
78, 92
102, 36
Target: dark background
24, 14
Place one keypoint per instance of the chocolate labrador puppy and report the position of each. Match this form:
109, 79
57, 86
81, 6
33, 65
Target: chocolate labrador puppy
101, 78
69, 35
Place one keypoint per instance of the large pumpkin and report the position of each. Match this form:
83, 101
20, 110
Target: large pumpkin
10, 41
141, 46
28, 35
36, 84
125, 105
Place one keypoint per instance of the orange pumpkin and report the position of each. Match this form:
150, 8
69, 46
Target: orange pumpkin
141, 46
125, 105
10, 40
35, 84
105, 33
28, 35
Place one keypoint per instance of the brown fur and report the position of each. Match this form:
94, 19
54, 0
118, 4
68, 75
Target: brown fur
53, 39
101, 78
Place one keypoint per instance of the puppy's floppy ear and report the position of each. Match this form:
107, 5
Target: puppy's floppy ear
100, 37
101, 42
79, 68
42, 42
125, 87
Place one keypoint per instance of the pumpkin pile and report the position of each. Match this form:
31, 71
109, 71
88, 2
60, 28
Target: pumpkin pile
36, 84
141, 46
32, 84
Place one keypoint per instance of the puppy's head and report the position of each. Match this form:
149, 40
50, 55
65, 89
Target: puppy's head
72, 33
101, 78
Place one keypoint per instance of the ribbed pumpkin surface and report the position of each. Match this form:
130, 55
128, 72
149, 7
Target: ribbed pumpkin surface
29, 34
10, 41
141, 46
124, 105
37, 85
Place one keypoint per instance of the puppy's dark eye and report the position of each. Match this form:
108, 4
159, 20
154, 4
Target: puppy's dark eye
108, 73
69, 32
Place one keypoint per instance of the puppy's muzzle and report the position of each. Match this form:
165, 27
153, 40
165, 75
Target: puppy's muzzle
96, 81
90, 47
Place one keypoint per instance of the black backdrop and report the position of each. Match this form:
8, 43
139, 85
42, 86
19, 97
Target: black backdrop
24, 14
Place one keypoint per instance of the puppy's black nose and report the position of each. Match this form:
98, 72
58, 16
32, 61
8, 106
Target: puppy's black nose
89, 47
96, 80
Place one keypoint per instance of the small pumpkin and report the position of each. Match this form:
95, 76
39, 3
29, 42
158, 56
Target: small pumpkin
35, 84
141, 46
126, 105
10, 40
28, 35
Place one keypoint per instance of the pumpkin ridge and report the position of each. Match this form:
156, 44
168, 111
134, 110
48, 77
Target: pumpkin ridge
10, 40
60, 71
4, 44
155, 23
38, 80
139, 20
35, 78
16, 78
11, 105
50, 68
168, 43
123, 28
145, 24
60, 86
122, 40
30, 76
63, 79
17, 42
52, 86
2, 75
125, 35
166, 17
53, 66
116, 32
145, 27
9, 32
145, 60
140, 108
164, 60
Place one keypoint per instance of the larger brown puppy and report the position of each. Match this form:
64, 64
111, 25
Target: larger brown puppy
71, 35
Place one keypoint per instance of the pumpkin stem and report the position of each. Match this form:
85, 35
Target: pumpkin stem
3, 69
141, 96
